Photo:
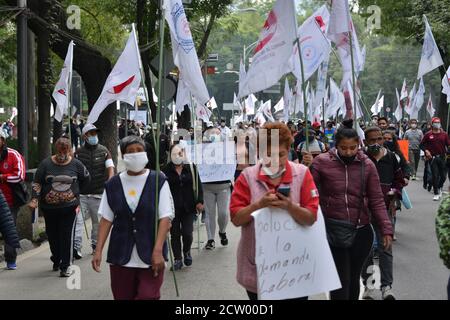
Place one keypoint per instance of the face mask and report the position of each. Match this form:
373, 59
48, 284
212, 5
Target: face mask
389, 145
273, 175
214, 138
374, 149
177, 160
436, 125
414, 126
61, 158
92, 140
135, 162
222, 124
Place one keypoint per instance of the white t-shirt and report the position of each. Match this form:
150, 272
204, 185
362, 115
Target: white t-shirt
132, 187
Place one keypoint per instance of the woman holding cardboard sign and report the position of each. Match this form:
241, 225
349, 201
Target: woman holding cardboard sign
272, 182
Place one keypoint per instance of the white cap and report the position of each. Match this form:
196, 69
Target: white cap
88, 127
209, 124
3, 134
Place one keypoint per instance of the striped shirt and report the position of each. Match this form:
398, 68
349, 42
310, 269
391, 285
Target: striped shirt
12, 170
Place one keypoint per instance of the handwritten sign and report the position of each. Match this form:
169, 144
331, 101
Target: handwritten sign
292, 260
215, 161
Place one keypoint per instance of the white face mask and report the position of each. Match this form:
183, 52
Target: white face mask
135, 162
177, 160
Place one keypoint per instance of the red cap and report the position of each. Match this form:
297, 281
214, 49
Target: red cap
316, 125
435, 119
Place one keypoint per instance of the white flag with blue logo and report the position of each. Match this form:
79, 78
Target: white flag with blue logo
431, 58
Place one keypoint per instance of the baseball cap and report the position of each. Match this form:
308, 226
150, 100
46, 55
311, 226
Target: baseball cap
88, 127
316, 125
435, 119
209, 124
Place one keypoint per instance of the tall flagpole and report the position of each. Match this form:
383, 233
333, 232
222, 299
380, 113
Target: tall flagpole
350, 34
305, 107
69, 98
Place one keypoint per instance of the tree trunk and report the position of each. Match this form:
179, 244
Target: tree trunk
44, 78
31, 95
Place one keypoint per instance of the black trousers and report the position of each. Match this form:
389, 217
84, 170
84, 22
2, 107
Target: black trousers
60, 226
10, 252
439, 172
182, 227
349, 264
254, 296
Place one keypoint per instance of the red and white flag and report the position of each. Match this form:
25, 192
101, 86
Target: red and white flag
404, 93
272, 54
446, 84
430, 107
123, 82
313, 43
202, 112
61, 92
183, 50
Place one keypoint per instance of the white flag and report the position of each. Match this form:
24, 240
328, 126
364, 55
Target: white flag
376, 106
410, 100
280, 105
212, 104
446, 84
431, 57
339, 18
183, 50
322, 80
313, 43
123, 82
202, 112
242, 75
404, 93
250, 105
266, 110
418, 100
398, 111
363, 61
337, 100
236, 102
430, 107
271, 60
183, 96
61, 92
287, 100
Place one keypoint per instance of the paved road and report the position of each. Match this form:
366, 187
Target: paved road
418, 271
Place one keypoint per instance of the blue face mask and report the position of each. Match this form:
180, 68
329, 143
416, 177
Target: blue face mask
92, 140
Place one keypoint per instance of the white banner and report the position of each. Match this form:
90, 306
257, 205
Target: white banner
215, 161
431, 57
292, 261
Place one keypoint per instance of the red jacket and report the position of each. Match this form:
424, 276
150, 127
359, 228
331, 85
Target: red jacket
12, 170
340, 190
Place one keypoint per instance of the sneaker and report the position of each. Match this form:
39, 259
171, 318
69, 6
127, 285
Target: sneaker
413, 178
436, 197
187, 259
93, 248
394, 238
55, 267
77, 254
387, 293
177, 265
65, 273
369, 294
210, 245
223, 238
11, 266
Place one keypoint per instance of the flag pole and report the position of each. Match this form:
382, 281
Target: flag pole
350, 34
141, 69
69, 98
305, 107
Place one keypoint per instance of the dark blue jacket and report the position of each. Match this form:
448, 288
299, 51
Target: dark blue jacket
7, 225
130, 228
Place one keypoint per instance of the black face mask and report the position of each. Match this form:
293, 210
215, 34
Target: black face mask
347, 160
374, 149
